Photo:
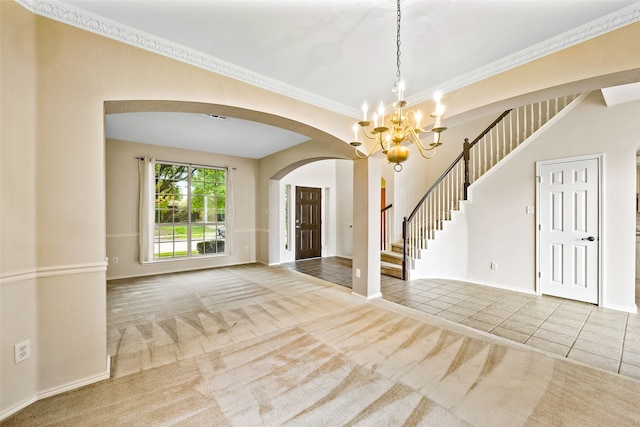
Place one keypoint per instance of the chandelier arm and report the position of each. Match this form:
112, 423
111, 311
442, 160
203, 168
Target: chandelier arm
422, 149
410, 114
360, 155
367, 134
413, 137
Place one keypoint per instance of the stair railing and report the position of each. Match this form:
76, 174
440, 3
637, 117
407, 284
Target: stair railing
386, 227
499, 139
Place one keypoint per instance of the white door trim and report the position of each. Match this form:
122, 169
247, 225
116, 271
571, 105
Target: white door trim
539, 164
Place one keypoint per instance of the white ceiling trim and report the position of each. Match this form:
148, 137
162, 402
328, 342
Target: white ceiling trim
99, 25
593, 29
105, 27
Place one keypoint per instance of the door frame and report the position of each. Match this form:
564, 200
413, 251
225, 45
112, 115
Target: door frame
539, 164
319, 191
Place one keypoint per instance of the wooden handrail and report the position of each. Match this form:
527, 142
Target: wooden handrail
488, 129
452, 187
464, 155
438, 181
383, 227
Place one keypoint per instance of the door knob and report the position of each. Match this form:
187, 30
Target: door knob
590, 238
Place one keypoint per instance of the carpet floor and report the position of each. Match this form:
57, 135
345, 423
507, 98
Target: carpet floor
259, 346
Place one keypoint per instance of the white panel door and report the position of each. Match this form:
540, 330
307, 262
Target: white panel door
568, 229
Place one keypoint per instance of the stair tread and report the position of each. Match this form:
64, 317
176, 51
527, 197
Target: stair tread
385, 264
389, 269
392, 254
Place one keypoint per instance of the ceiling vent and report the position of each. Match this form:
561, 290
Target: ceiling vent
215, 116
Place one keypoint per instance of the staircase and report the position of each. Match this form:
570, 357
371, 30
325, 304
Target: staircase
497, 141
391, 260
391, 254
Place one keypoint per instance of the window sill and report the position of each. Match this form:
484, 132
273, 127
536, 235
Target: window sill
165, 260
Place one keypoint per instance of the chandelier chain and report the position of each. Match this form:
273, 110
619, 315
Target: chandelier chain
395, 130
398, 43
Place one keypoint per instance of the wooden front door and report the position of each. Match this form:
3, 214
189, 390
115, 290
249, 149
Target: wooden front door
308, 222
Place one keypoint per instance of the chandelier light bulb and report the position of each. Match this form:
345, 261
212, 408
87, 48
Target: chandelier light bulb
437, 96
381, 111
401, 88
418, 118
355, 131
439, 112
365, 108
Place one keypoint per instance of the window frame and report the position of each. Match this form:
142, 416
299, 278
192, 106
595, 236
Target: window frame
181, 211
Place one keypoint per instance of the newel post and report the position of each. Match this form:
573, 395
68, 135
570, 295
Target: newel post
466, 155
405, 254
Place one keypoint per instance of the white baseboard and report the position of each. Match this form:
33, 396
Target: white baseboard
77, 384
628, 308
18, 408
58, 390
374, 296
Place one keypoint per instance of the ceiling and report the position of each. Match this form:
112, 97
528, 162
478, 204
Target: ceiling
334, 53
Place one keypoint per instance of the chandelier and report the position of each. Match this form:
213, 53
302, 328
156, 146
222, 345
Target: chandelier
401, 125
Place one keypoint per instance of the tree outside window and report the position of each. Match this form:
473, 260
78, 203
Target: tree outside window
190, 211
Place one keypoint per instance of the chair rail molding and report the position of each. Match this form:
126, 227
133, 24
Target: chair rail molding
52, 271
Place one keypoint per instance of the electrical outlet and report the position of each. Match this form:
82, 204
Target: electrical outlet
494, 266
357, 272
22, 351
115, 259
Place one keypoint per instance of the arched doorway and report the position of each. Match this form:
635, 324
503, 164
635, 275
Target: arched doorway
637, 228
332, 178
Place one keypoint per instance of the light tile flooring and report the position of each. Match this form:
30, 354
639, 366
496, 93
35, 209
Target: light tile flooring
596, 336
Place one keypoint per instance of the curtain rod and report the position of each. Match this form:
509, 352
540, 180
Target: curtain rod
188, 164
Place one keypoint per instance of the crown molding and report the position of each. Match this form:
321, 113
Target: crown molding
87, 21
99, 25
592, 29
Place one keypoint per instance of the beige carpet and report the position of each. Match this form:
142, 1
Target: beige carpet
252, 346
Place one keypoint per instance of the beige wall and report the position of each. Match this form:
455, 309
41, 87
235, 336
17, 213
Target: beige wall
608, 60
344, 202
494, 226
322, 175
18, 295
122, 208
272, 169
507, 235
55, 82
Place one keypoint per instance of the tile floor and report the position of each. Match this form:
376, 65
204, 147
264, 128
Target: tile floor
596, 336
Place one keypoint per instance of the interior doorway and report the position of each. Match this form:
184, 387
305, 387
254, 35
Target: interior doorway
638, 228
569, 228
308, 222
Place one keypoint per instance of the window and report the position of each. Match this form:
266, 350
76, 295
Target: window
190, 211
287, 235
